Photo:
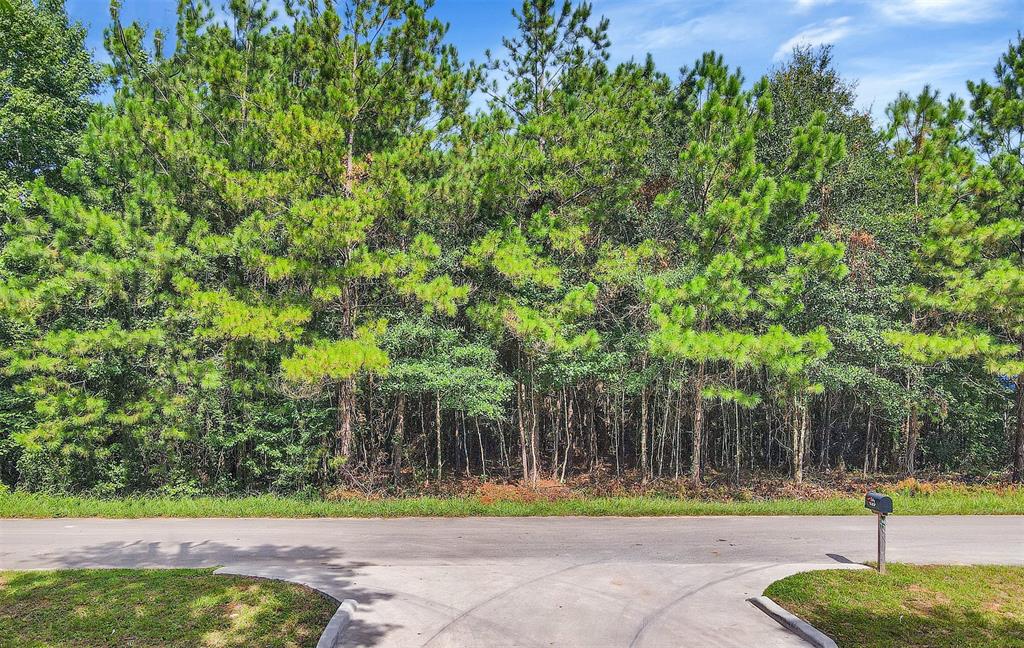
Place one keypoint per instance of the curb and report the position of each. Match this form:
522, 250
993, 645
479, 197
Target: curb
331, 637
793, 623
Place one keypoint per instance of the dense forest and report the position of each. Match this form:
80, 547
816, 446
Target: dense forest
318, 249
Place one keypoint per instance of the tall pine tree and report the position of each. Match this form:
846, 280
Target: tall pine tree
742, 251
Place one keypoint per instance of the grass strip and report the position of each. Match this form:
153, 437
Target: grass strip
33, 505
935, 606
157, 608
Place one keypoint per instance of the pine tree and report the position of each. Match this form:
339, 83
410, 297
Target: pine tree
997, 128
46, 82
860, 201
558, 156
922, 130
271, 192
737, 265
971, 259
293, 251
321, 167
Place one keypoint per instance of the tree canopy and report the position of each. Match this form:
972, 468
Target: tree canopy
318, 248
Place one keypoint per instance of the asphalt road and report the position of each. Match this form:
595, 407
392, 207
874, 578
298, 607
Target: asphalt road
482, 582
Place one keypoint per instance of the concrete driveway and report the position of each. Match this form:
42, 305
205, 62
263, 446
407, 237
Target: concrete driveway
481, 582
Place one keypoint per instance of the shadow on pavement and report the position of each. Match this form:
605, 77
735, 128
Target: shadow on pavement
840, 558
183, 554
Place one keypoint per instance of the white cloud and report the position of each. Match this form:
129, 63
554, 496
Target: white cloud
942, 11
805, 5
830, 31
678, 32
659, 25
667, 36
880, 80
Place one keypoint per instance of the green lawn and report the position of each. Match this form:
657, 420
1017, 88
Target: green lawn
935, 606
942, 502
165, 608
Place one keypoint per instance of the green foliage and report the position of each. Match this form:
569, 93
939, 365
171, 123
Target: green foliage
745, 251
463, 374
970, 284
46, 79
292, 250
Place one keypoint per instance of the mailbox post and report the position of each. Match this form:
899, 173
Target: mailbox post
881, 506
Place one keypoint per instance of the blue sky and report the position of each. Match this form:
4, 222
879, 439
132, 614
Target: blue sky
887, 45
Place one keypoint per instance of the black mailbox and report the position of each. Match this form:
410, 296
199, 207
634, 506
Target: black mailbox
878, 503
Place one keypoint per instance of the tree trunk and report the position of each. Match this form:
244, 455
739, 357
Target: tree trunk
643, 435
568, 433
591, 427
867, 440
503, 453
911, 426
480, 442
346, 394
557, 411
522, 432
437, 427
696, 462
736, 420
534, 435
399, 437
799, 424
913, 430
1018, 439
463, 433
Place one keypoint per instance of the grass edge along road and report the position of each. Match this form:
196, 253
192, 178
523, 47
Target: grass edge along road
157, 607
30, 505
933, 606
